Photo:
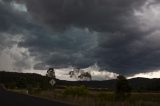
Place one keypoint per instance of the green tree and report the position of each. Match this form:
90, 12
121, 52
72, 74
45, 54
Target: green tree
85, 76
123, 90
80, 74
51, 73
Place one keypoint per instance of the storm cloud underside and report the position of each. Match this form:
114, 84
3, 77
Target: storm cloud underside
118, 35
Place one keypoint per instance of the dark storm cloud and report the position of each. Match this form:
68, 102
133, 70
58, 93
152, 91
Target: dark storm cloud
13, 26
99, 15
116, 34
65, 49
111, 19
84, 32
10, 24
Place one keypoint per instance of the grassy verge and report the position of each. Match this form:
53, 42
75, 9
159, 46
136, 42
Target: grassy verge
82, 96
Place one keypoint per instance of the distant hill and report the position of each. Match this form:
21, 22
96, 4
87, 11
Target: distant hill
26, 80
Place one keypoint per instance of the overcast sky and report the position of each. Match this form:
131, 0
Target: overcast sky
119, 36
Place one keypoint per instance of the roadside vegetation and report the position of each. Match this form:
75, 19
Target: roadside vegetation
100, 98
145, 92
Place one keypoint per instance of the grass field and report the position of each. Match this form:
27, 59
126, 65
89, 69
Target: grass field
99, 98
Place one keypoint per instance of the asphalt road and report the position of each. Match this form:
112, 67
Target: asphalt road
13, 99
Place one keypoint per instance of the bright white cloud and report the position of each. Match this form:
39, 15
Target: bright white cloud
12, 57
155, 74
63, 73
98, 74
15, 59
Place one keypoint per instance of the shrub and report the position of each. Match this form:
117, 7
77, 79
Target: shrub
123, 90
105, 96
76, 91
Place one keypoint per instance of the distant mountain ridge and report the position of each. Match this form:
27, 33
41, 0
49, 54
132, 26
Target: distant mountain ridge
27, 80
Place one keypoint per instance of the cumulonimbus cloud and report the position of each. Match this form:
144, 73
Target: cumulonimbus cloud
115, 34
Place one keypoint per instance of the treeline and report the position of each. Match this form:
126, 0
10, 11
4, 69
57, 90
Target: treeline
15, 80
145, 84
34, 81
137, 84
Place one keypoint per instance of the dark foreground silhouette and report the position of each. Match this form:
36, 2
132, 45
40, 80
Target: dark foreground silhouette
13, 99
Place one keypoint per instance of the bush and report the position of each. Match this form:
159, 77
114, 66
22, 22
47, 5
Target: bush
103, 96
76, 91
34, 90
123, 90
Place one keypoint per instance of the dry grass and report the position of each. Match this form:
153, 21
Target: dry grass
94, 98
